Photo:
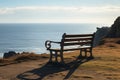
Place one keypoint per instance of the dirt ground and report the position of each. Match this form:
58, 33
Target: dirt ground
104, 66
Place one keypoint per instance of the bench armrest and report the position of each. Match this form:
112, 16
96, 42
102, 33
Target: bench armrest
48, 44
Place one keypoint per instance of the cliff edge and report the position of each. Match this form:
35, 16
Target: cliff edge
115, 29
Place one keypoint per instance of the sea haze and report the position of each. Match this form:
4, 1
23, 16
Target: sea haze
32, 37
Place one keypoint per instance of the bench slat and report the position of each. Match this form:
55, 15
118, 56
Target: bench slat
77, 43
78, 35
77, 39
71, 49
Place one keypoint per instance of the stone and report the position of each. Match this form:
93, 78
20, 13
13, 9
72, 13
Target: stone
115, 29
9, 54
100, 34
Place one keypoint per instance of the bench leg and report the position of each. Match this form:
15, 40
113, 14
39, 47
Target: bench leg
80, 53
85, 52
91, 53
56, 56
91, 56
61, 56
50, 60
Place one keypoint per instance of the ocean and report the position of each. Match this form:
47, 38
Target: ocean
30, 37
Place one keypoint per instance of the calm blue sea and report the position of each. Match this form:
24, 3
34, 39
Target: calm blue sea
31, 37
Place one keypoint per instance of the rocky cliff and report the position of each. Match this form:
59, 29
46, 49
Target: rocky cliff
115, 29
100, 34
107, 32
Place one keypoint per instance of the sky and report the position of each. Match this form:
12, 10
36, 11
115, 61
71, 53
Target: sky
59, 11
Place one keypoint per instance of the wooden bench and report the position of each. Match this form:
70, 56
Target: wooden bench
71, 42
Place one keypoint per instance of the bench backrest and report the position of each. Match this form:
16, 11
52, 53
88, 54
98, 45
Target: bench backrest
77, 39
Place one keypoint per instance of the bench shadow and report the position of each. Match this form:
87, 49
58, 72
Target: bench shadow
47, 69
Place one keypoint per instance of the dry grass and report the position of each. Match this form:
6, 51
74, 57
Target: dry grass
104, 66
106, 62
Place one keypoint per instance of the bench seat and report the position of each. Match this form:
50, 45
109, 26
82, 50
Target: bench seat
71, 49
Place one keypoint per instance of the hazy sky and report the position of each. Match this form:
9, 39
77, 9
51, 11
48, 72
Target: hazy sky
59, 11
